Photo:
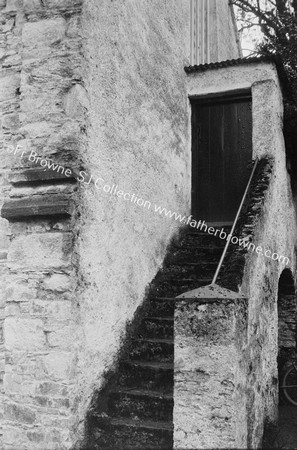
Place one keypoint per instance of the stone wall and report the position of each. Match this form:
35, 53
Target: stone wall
210, 396
42, 81
100, 89
10, 39
138, 133
275, 230
137, 141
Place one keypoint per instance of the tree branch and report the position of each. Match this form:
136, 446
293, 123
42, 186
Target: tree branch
294, 5
248, 26
266, 17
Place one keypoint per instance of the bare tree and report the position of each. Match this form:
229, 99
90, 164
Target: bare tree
278, 22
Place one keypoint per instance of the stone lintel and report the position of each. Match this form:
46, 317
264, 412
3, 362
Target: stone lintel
40, 175
34, 206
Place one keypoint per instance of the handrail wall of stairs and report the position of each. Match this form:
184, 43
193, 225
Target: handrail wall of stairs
235, 223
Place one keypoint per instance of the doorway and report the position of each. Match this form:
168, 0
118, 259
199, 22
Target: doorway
221, 153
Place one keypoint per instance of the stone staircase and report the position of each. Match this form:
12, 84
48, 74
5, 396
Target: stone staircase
135, 410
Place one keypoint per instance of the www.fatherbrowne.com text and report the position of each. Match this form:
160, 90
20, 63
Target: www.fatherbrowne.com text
99, 182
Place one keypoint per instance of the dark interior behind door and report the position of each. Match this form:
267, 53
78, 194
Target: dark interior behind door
221, 151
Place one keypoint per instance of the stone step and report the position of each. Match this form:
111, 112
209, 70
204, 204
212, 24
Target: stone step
225, 228
199, 281
177, 287
138, 409
161, 307
152, 350
177, 271
189, 285
194, 255
141, 405
199, 239
155, 376
125, 434
156, 327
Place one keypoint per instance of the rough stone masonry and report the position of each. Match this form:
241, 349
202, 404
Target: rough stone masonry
42, 109
97, 86
74, 84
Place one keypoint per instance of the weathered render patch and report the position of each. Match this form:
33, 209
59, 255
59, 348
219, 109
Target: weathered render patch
138, 134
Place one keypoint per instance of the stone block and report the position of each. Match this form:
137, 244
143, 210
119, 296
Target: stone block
64, 422
74, 27
12, 309
60, 334
15, 383
52, 308
18, 290
8, 86
18, 438
40, 251
68, 5
24, 334
76, 102
11, 122
20, 414
27, 191
36, 437
41, 103
3, 257
37, 174
6, 159
57, 282
42, 225
64, 4
39, 36
4, 230
30, 5
38, 130
51, 389
51, 402
59, 365
12, 6
15, 437
42, 206
8, 26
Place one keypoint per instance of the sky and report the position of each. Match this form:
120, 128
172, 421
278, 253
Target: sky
249, 37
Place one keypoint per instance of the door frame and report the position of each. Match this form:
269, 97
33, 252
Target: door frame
215, 98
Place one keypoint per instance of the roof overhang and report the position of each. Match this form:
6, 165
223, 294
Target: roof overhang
252, 61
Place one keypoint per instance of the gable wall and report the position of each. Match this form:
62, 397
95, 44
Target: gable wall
99, 88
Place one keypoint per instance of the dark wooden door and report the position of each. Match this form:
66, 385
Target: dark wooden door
221, 151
